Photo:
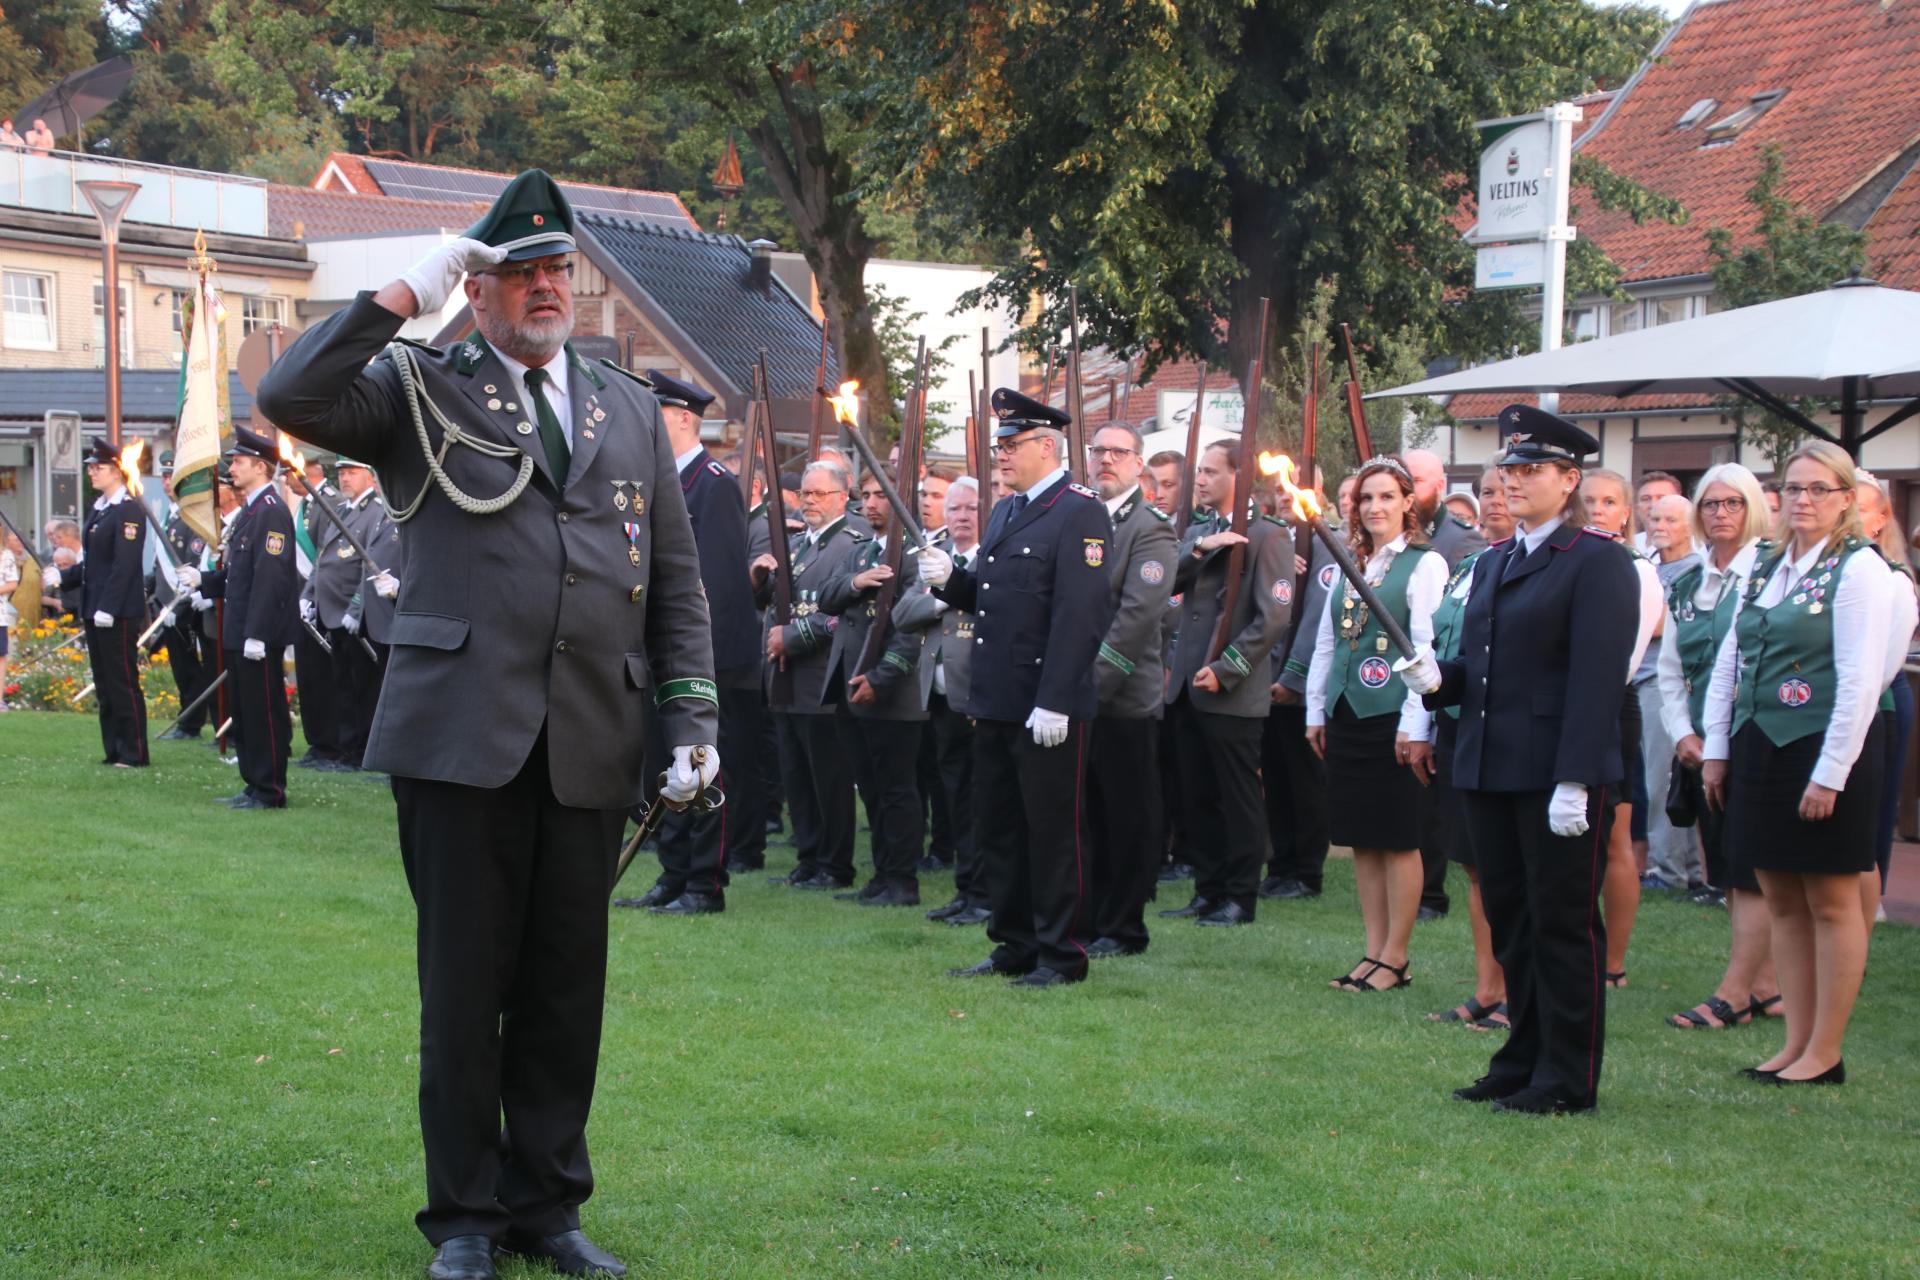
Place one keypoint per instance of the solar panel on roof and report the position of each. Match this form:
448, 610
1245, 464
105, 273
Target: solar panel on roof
428, 182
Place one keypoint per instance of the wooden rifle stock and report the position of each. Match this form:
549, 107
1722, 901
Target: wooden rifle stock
1184, 515
983, 426
1076, 403
1309, 430
780, 690
1242, 494
819, 423
1356, 411
907, 481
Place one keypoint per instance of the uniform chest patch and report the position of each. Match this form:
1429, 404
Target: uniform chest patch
1327, 574
1794, 693
130, 531
1153, 573
1374, 673
276, 543
1282, 591
1094, 550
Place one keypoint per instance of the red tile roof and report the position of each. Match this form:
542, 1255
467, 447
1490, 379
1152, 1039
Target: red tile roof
351, 170
1893, 236
1851, 69
303, 213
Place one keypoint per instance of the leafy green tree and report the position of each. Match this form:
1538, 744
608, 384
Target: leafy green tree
42, 41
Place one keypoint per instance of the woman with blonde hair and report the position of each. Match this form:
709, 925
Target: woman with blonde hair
1729, 520
1364, 723
1793, 751
1609, 501
1897, 706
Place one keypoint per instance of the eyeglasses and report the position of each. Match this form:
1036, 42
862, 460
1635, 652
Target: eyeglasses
1099, 451
818, 493
1818, 492
521, 274
1008, 446
1732, 506
1527, 470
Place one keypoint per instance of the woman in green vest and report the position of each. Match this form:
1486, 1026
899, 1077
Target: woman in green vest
1486, 1008
1792, 750
1609, 502
1729, 519
1897, 708
1363, 722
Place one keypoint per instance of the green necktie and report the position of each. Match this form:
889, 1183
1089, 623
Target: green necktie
552, 438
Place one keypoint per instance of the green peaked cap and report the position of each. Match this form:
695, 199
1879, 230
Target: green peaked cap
531, 219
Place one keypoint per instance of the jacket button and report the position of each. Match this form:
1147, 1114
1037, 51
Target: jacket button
1026, 551
571, 579
978, 640
989, 559
561, 647
985, 585
564, 517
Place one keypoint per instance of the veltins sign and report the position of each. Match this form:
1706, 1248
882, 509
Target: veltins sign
1516, 195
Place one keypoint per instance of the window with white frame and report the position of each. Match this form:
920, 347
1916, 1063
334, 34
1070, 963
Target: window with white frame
29, 310
1623, 317
100, 327
178, 301
1667, 310
258, 313
1583, 324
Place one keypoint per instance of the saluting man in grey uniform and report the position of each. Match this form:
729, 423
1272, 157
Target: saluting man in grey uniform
512, 724
329, 599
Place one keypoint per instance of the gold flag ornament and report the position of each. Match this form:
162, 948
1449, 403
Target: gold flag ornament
205, 421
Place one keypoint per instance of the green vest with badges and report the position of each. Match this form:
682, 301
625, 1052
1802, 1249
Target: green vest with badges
1449, 615
1362, 668
1787, 673
1698, 637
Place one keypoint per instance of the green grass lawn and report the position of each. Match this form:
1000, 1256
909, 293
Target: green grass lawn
208, 1054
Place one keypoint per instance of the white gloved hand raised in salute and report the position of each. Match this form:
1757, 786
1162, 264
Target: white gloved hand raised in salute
434, 278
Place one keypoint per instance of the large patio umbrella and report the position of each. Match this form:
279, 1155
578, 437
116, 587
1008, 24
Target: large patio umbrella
1857, 342
78, 97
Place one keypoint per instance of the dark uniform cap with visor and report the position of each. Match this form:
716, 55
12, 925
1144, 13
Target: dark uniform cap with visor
1528, 434
248, 443
669, 390
1020, 414
531, 219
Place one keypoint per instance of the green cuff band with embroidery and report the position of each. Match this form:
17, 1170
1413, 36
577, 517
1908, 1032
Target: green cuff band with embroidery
695, 687
895, 660
1118, 659
1231, 656
1296, 668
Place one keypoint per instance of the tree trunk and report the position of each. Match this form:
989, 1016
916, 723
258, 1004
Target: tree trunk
1267, 244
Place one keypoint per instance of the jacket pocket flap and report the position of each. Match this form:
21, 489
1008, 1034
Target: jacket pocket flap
637, 674
429, 630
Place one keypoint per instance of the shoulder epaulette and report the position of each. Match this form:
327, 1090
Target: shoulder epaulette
418, 345
1273, 520
858, 536
715, 468
1458, 521
1082, 490
627, 372
1158, 514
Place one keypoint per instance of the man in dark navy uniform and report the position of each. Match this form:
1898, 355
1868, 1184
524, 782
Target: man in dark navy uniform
187, 651
261, 585
696, 848
1040, 593
1546, 637
113, 606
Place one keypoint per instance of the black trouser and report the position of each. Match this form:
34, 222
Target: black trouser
191, 662
262, 725
1541, 894
1176, 835
796, 782
773, 783
1226, 813
1433, 848
888, 761
510, 887
952, 736
356, 688
743, 722
697, 848
1123, 826
933, 799
1294, 779
1030, 838
825, 772
319, 696
116, 687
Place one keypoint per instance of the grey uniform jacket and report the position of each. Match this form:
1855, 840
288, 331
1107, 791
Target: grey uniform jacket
809, 637
1292, 666
338, 574
1130, 671
566, 612
895, 676
1260, 619
1454, 538
383, 543
948, 632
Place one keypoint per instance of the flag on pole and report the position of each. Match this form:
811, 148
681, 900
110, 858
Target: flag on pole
205, 417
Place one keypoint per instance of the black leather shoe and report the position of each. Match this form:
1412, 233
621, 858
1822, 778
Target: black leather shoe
934, 862
1431, 913
953, 908
570, 1252
1226, 917
865, 891
1488, 1089
821, 881
233, 800
179, 735
1286, 888
971, 916
691, 904
746, 864
1198, 907
774, 826
1106, 948
985, 969
658, 896
892, 895
1045, 977
462, 1258
251, 802
792, 877
1538, 1102
1176, 871
1835, 1074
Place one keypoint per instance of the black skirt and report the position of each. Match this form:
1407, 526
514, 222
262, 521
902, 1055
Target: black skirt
1450, 815
1764, 828
1373, 800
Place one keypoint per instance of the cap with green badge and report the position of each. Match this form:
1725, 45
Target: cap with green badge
531, 219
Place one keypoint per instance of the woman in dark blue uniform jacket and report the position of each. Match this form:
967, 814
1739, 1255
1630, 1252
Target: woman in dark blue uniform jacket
1548, 628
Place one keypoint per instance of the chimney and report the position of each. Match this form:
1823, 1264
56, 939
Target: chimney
760, 274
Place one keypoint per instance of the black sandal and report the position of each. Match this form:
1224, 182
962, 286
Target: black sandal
1618, 981
1488, 1024
1354, 981
1763, 1008
1474, 1012
1400, 978
1693, 1020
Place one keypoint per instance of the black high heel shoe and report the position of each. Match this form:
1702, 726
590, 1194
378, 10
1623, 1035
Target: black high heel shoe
1835, 1074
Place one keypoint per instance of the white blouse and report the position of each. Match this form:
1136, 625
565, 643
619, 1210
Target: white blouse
1424, 589
1675, 709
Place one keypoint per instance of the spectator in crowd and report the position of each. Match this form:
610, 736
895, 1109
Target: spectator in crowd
1672, 855
64, 537
1165, 468
1876, 517
1344, 498
9, 583
8, 138
27, 601
1771, 492
1653, 486
40, 138
933, 497
1464, 506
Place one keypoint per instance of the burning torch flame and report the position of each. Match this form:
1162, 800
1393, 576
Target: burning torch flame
1306, 503
130, 465
292, 456
846, 405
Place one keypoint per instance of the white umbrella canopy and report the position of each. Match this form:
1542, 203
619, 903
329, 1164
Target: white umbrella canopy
1805, 346
1175, 438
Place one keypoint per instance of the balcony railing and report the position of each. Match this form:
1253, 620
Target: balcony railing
170, 197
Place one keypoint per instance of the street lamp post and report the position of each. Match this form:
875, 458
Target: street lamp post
110, 201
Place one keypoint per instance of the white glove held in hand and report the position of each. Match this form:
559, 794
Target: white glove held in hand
200, 603
1049, 727
307, 610
685, 780
434, 278
1421, 672
254, 651
187, 578
385, 585
1567, 811
167, 618
352, 625
101, 618
50, 578
936, 566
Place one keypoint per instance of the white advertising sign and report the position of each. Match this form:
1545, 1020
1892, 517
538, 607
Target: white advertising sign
1224, 409
1516, 196
1510, 266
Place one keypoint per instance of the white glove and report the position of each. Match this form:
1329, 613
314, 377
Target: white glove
254, 650
167, 618
1421, 672
187, 578
200, 603
1567, 811
50, 578
1049, 727
685, 780
936, 566
385, 585
307, 611
101, 618
352, 624
434, 278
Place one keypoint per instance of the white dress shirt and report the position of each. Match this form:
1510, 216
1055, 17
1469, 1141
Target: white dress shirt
1715, 585
1425, 587
557, 392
